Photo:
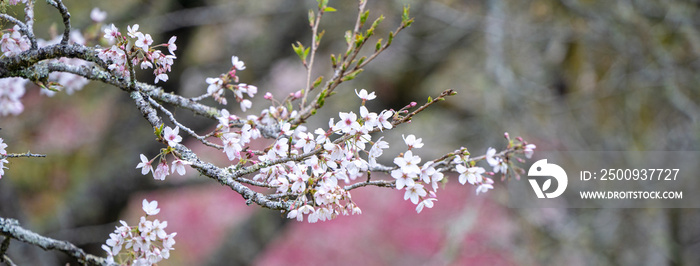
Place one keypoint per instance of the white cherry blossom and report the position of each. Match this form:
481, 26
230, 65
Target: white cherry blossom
365, 96
151, 208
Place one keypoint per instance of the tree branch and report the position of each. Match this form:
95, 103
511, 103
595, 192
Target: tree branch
11, 229
58, 4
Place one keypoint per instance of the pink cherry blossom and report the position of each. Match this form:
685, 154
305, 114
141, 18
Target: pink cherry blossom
161, 170
414, 193
246, 104
179, 166
483, 188
281, 147
412, 142
3, 161
3, 146
348, 123
529, 150
427, 203
305, 141
132, 31
490, 159
232, 145
239, 65
171, 45
383, 119
408, 163
111, 33
143, 41
171, 136
268, 96
145, 165
471, 174
402, 179
376, 151
98, 15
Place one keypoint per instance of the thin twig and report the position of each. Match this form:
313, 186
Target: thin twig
378, 183
201, 97
26, 154
183, 127
314, 47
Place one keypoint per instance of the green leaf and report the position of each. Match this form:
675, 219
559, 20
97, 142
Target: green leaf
318, 81
299, 49
430, 99
312, 18
391, 38
363, 18
159, 130
406, 21
352, 75
404, 16
319, 36
321, 98
379, 45
334, 61
362, 60
329, 9
322, 4
359, 39
377, 21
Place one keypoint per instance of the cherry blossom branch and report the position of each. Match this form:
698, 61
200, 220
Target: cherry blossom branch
23, 28
26, 154
207, 169
260, 165
343, 72
183, 127
283, 162
12, 229
430, 102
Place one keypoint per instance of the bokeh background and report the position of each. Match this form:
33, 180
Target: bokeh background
578, 75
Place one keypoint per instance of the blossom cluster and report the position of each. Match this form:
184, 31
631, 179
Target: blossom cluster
13, 42
414, 178
219, 85
14, 2
12, 89
144, 244
319, 173
333, 155
162, 170
135, 48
